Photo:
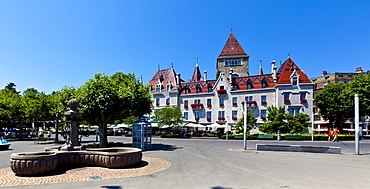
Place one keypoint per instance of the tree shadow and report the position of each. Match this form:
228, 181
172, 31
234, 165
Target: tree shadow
220, 187
111, 187
163, 147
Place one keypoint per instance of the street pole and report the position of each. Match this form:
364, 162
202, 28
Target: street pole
245, 126
357, 146
312, 120
56, 131
227, 130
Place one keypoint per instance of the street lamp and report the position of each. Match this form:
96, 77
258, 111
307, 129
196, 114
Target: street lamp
245, 126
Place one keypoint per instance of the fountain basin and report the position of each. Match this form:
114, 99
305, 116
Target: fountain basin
38, 163
4, 145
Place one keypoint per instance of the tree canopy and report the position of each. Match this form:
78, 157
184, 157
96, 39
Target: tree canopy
168, 116
105, 99
279, 121
251, 120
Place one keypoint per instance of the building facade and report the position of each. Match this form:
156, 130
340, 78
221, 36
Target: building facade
219, 103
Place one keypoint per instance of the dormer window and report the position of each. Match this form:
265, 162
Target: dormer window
169, 86
294, 77
198, 89
158, 87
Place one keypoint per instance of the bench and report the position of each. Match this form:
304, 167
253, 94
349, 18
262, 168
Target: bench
239, 136
265, 136
298, 137
40, 140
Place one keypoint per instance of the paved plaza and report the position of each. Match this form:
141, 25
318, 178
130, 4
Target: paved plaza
208, 163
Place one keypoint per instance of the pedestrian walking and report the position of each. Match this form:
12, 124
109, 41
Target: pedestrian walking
330, 134
335, 133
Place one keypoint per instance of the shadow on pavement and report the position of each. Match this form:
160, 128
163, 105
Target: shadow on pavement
163, 147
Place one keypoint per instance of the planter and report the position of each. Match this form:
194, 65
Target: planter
186, 106
221, 104
263, 117
235, 118
263, 102
196, 119
286, 100
303, 100
209, 119
221, 118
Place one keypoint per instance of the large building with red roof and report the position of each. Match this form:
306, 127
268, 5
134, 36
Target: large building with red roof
219, 103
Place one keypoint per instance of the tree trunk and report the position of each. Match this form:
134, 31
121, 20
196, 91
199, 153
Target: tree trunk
103, 139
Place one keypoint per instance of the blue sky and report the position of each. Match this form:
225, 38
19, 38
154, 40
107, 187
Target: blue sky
50, 44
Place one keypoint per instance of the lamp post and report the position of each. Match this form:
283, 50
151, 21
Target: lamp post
245, 126
56, 127
357, 146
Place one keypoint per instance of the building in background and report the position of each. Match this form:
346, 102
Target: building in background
320, 82
217, 104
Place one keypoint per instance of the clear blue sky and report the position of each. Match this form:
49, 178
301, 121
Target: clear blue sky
50, 44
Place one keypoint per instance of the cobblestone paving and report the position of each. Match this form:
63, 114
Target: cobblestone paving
148, 165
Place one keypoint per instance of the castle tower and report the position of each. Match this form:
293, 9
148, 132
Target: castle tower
233, 57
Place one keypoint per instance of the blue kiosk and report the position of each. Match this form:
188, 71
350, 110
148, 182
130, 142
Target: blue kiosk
142, 135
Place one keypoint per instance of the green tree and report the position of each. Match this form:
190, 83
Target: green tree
105, 99
11, 86
11, 108
361, 86
275, 120
251, 121
297, 123
168, 116
334, 104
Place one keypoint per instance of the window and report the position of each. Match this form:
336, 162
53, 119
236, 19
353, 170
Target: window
294, 82
158, 87
210, 89
168, 101
263, 113
198, 89
263, 98
209, 102
234, 113
286, 96
294, 111
197, 101
235, 87
197, 115
264, 84
221, 114
302, 96
209, 114
249, 98
186, 102
157, 102
168, 86
186, 115
235, 100
222, 101
249, 86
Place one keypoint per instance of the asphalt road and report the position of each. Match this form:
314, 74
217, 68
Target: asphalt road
218, 164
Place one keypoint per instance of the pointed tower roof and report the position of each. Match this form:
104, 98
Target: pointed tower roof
260, 71
232, 47
286, 70
197, 76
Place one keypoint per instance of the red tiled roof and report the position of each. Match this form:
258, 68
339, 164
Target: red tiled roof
165, 76
232, 47
286, 70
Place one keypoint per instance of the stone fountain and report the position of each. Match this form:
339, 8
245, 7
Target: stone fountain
72, 154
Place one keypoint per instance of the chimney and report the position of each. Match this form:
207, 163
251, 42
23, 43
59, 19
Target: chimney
205, 75
178, 79
230, 75
324, 73
273, 68
359, 70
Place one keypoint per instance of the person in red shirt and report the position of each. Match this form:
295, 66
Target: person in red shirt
335, 133
330, 134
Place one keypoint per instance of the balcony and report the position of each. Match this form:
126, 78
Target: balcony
221, 92
196, 106
303, 100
